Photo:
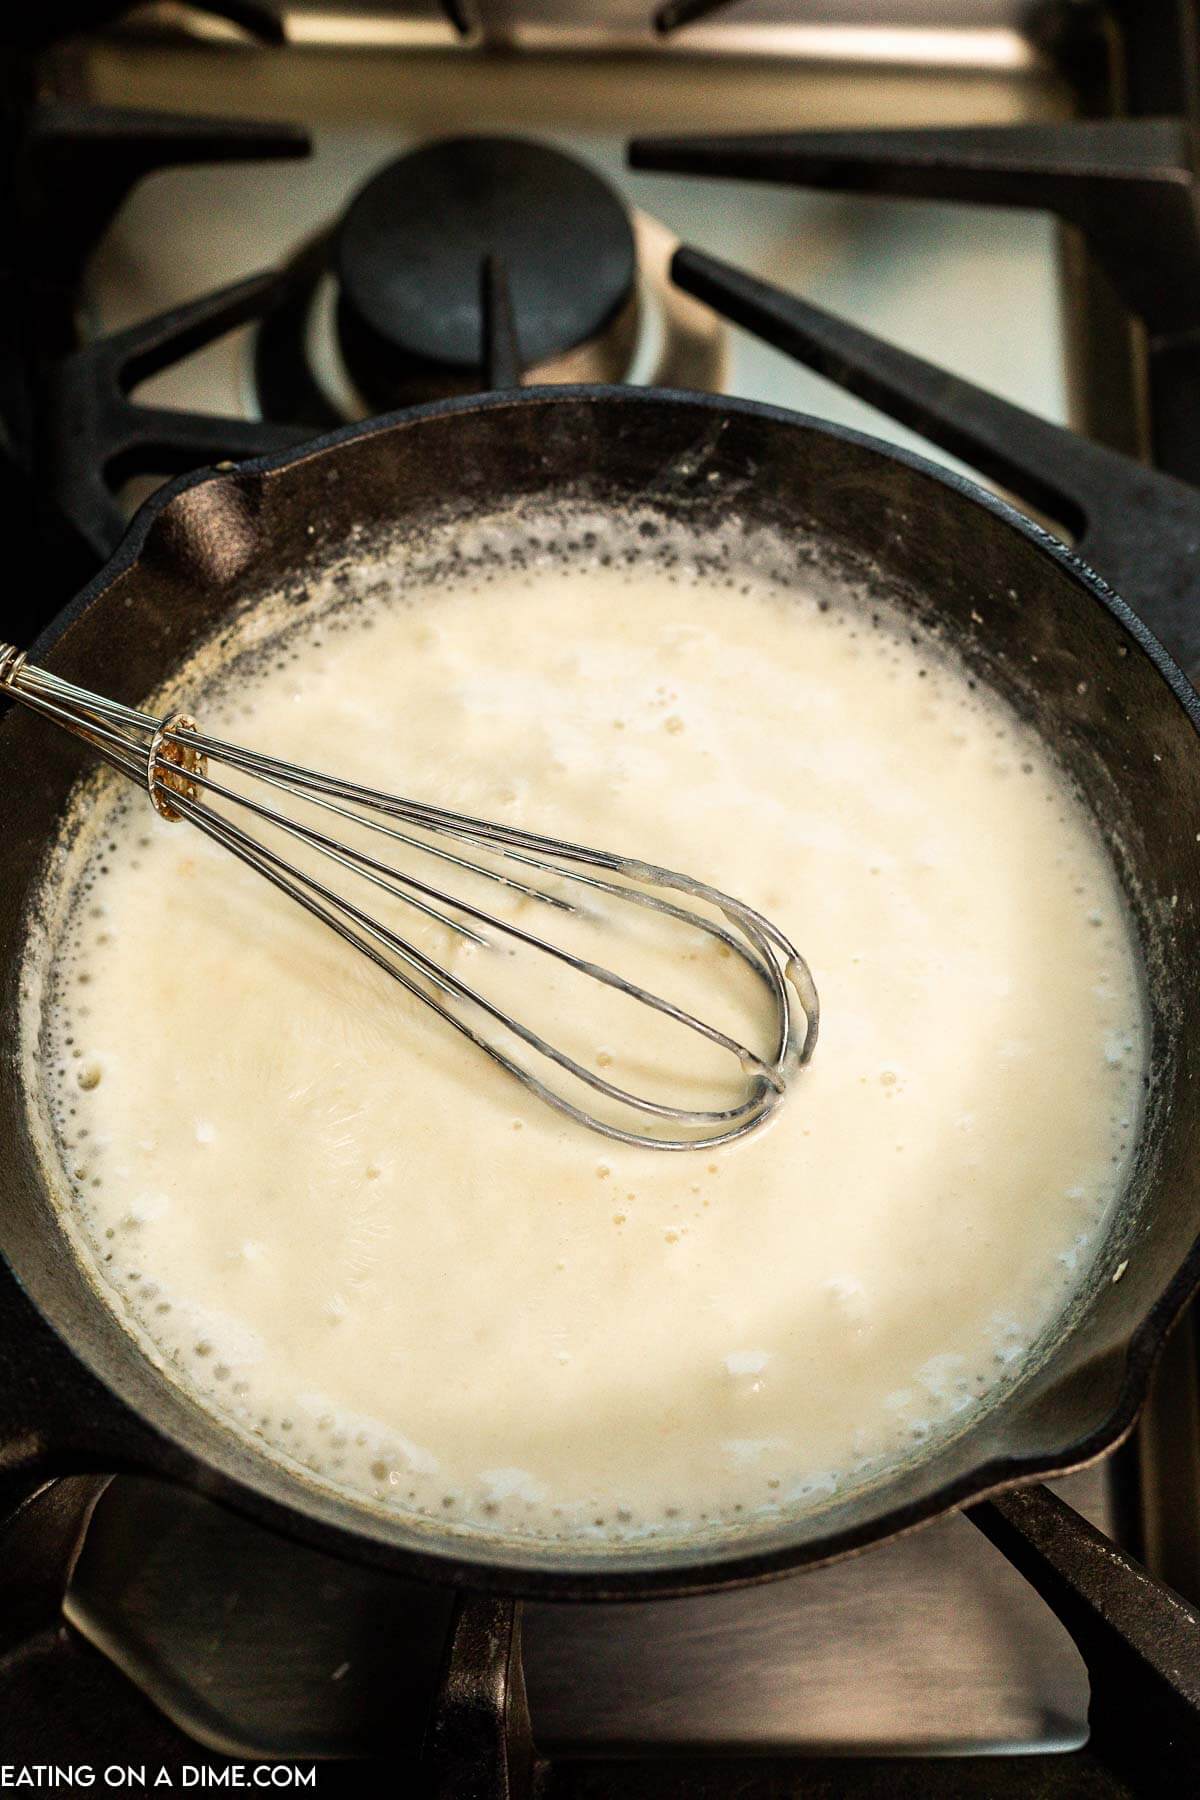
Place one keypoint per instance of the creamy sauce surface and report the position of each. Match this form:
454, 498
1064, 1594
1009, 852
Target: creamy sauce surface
360, 1242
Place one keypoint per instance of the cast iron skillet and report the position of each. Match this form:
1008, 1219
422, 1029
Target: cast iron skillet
1099, 687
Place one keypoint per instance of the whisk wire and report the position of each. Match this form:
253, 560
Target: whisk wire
384, 875
282, 873
171, 758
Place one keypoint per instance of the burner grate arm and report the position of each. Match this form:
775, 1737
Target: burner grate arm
96, 436
1128, 184
1140, 529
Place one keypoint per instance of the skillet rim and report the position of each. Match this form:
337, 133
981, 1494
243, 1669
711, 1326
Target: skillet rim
558, 1576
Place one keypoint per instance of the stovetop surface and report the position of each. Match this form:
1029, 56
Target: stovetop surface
979, 291
929, 1644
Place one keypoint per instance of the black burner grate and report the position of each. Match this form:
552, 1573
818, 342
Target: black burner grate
72, 432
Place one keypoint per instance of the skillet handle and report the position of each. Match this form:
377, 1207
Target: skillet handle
40, 1540
58, 1419
63, 1435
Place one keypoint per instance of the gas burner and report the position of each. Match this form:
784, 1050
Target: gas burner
409, 252
389, 309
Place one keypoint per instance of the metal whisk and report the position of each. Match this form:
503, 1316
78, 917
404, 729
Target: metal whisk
171, 758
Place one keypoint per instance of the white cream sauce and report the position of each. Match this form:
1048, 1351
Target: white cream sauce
357, 1240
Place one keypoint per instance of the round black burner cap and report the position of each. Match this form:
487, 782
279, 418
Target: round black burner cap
410, 250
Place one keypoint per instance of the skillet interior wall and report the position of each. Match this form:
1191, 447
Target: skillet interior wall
1012, 607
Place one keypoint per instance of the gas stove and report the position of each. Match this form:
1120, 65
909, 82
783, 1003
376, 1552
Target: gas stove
969, 228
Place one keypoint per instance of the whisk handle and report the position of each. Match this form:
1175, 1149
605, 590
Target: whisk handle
148, 750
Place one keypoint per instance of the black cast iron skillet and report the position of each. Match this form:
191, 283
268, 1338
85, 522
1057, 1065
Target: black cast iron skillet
1032, 619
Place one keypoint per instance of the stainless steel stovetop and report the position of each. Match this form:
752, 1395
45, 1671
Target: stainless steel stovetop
933, 1643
